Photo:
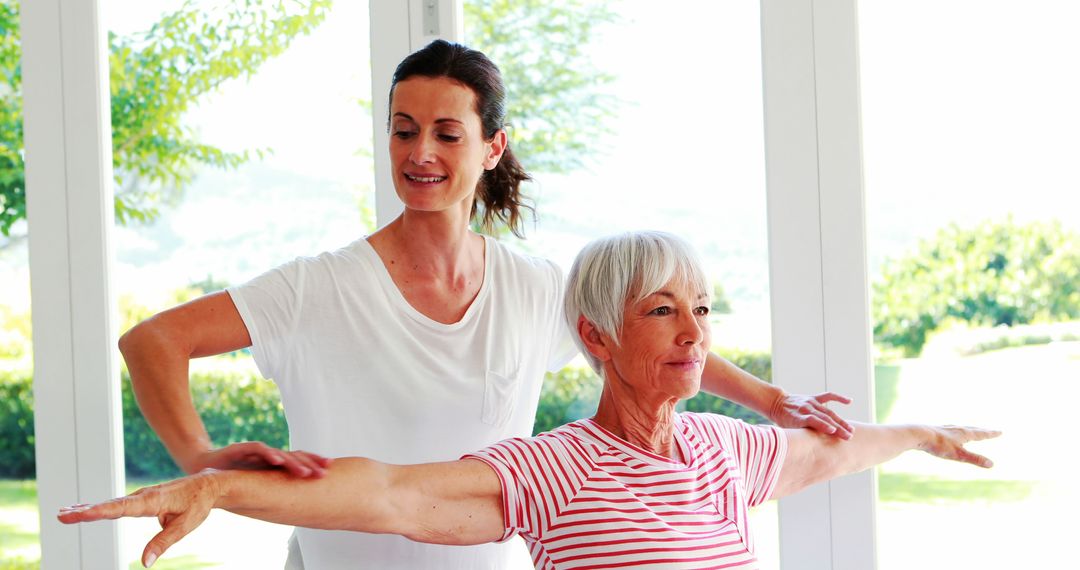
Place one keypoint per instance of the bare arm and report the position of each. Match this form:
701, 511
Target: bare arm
457, 502
157, 352
724, 379
813, 457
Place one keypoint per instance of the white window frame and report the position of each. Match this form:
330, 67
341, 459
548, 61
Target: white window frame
70, 217
821, 337
817, 257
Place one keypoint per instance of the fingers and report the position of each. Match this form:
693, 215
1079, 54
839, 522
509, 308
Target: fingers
257, 455
304, 464
826, 397
173, 529
816, 416
966, 456
131, 506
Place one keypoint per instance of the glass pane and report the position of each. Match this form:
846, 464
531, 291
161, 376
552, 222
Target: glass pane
19, 528
973, 231
634, 116
242, 137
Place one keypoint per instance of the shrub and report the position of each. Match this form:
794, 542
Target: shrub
234, 406
16, 425
994, 274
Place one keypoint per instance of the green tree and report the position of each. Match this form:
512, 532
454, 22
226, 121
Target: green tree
556, 105
155, 77
992, 274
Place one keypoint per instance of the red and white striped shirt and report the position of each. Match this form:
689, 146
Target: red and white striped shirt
583, 498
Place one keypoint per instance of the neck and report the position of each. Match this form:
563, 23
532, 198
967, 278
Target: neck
433, 243
648, 425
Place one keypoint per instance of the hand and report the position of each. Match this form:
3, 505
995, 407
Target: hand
798, 411
258, 455
179, 506
947, 442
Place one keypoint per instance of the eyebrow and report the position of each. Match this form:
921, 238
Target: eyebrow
670, 295
437, 121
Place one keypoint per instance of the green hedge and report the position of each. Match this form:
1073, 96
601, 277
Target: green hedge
234, 407
240, 406
16, 425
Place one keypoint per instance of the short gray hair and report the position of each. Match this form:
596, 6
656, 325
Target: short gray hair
611, 272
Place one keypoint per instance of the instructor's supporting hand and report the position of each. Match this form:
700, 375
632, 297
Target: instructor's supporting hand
179, 506
798, 411
258, 455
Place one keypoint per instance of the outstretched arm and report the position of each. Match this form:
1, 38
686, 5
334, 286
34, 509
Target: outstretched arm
813, 457
457, 502
724, 379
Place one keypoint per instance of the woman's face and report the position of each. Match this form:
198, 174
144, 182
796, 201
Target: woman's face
437, 146
664, 341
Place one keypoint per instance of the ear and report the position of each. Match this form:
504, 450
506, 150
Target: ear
496, 148
593, 339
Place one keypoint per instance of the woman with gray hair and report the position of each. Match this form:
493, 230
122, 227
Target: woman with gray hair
638, 484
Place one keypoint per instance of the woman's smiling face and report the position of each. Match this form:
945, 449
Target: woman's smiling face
664, 341
437, 145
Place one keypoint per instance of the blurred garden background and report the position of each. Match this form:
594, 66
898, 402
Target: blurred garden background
233, 153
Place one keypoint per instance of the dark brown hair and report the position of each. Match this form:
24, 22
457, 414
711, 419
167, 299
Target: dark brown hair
499, 191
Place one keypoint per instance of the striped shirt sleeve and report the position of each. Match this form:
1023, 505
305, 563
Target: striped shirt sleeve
759, 451
518, 487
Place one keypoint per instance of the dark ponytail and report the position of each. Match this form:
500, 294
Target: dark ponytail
498, 194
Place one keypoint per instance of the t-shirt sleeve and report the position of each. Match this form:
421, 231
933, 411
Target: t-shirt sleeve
759, 451
510, 459
563, 348
270, 306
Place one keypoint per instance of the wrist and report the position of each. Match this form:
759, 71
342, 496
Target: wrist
776, 397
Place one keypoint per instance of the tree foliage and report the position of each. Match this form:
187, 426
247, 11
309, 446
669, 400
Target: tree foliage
992, 274
556, 106
155, 78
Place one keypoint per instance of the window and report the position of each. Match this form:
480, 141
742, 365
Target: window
973, 221
222, 176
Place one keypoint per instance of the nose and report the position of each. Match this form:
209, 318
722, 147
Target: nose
691, 330
423, 150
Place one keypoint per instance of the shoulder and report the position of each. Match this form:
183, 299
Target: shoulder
508, 262
562, 450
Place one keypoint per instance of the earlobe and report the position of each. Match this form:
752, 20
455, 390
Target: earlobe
496, 150
593, 339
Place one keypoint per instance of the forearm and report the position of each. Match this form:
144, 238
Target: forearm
159, 379
724, 379
814, 457
353, 495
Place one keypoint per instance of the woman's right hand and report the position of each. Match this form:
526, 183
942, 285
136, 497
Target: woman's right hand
258, 455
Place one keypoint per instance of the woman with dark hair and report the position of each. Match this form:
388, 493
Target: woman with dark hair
418, 343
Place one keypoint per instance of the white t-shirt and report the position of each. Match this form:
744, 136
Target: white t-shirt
363, 373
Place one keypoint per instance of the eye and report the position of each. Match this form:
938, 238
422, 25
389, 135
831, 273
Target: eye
404, 134
661, 311
449, 138
701, 311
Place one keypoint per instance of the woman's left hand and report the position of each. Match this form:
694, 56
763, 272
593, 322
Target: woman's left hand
947, 442
798, 411
179, 506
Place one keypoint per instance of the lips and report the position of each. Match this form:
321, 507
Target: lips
685, 364
424, 178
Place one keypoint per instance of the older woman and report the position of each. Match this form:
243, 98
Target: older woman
636, 485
